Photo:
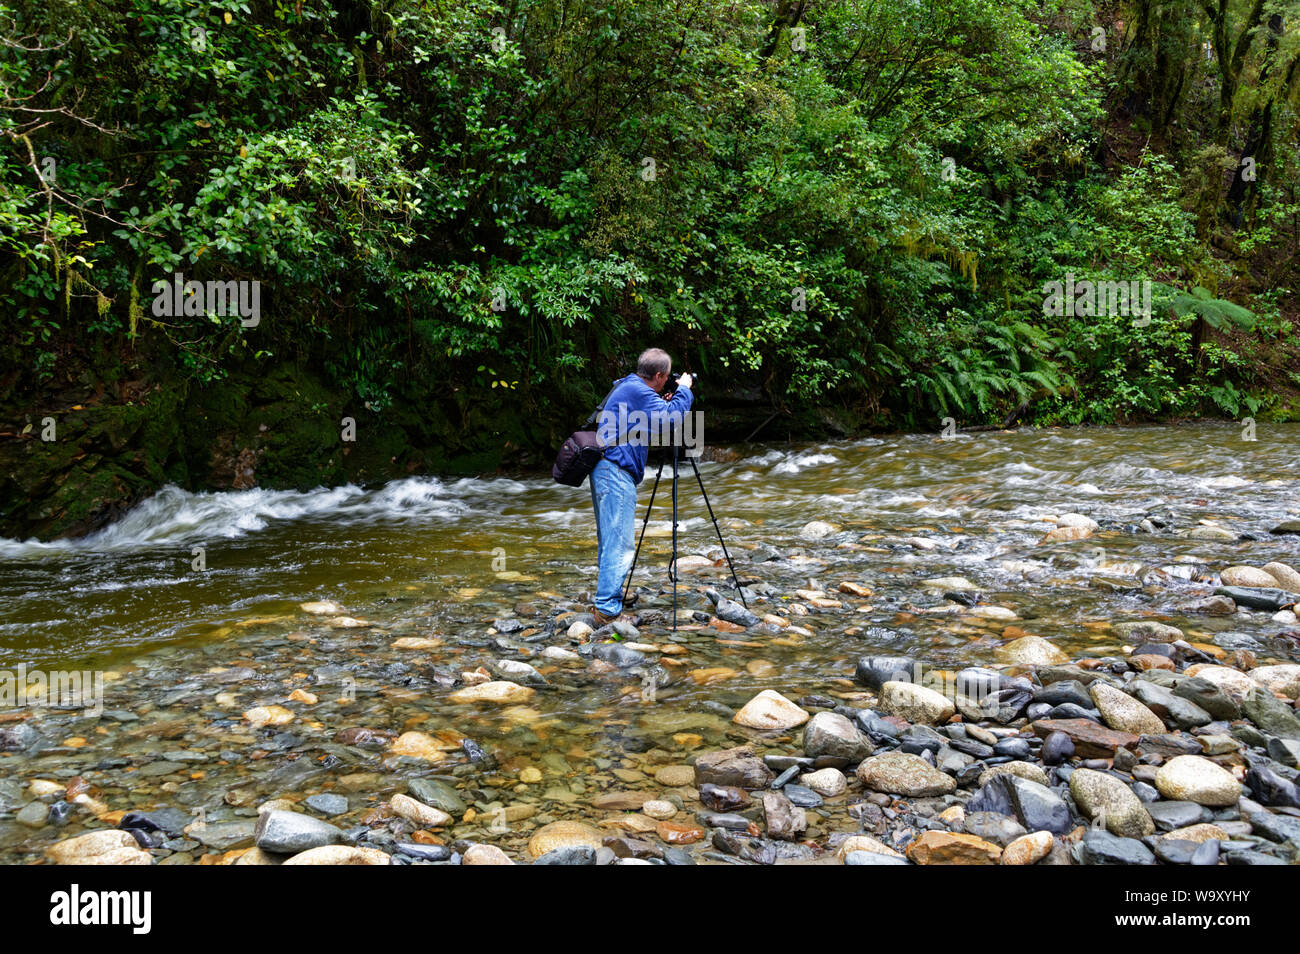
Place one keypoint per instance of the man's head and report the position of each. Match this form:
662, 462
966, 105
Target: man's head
653, 367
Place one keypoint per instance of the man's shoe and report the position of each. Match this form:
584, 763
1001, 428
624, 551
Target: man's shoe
602, 619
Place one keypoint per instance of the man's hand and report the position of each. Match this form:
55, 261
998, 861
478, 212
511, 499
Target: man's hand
685, 381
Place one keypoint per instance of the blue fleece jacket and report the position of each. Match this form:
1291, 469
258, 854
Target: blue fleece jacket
636, 418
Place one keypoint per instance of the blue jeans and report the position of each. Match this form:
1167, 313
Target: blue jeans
613, 497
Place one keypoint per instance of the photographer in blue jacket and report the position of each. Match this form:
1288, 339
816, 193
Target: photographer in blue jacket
635, 415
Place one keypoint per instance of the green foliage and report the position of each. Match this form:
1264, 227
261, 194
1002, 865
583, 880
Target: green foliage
425, 189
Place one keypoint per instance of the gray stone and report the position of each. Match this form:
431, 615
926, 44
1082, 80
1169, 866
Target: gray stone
18, 738
437, 793
1170, 815
831, 734
1176, 851
785, 821
992, 826
1275, 827
874, 671
223, 836
33, 815
1209, 697
1173, 709
1102, 848
736, 766
873, 858
1271, 714
291, 832
327, 803
1035, 806
570, 855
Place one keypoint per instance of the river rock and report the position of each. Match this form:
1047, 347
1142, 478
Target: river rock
1000, 829
107, 846
1102, 848
1192, 778
1210, 697
426, 816
915, 703
1100, 795
485, 855
259, 716
417, 745
658, 810
1057, 748
288, 832
340, 855
1169, 816
785, 821
1077, 520
865, 843
874, 671
817, 530
1279, 828
1270, 788
1147, 630
1168, 706
327, 803
17, 738
1025, 770
1261, 598
1197, 834
437, 793
499, 692
1031, 651
1247, 576
737, 766
1271, 714
1283, 680
1028, 849
1035, 806
675, 776
770, 710
1091, 740
562, 834
1121, 711
1286, 576
828, 782
947, 848
831, 735
731, 611
899, 773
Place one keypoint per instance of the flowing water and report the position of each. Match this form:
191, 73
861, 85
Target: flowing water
187, 584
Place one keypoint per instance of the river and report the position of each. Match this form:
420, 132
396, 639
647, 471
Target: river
441, 559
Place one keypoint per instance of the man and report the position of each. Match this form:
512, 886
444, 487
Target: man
634, 414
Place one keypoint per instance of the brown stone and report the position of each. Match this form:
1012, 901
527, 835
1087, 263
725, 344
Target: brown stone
947, 848
1028, 849
1091, 740
621, 801
736, 766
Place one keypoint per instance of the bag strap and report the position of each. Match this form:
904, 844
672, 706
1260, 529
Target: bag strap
600, 407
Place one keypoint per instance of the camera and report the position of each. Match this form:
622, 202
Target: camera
670, 388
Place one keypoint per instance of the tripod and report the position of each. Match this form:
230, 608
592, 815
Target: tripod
627, 587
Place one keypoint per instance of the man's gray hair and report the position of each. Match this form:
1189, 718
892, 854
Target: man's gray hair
653, 361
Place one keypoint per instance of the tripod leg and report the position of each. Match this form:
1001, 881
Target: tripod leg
700, 481
674, 563
627, 585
